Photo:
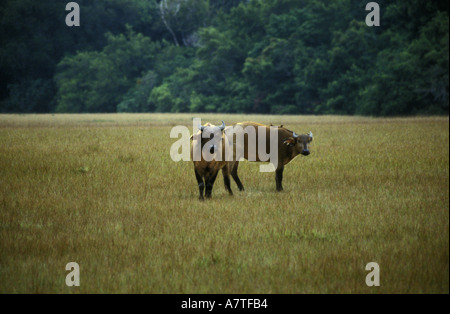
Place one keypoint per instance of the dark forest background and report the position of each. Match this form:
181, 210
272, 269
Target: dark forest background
281, 57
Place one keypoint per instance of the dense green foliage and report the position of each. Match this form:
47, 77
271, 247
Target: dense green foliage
288, 56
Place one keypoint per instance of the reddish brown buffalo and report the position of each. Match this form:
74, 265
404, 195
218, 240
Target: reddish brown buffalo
206, 170
290, 145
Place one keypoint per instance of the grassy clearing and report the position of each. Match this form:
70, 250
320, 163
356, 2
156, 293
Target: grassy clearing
101, 190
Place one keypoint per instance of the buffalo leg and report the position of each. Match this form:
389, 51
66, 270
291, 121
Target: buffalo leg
235, 176
210, 184
226, 179
201, 184
279, 178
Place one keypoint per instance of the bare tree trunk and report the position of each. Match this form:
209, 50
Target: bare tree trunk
161, 8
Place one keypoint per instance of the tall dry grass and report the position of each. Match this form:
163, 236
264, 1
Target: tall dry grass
102, 191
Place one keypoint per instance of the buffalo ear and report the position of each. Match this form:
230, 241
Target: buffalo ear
289, 141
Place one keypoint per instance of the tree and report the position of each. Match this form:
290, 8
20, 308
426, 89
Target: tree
271, 56
97, 81
183, 17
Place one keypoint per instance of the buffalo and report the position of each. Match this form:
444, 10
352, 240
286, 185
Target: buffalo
212, 140
290, 144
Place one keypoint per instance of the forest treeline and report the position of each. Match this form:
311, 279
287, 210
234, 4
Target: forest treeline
259, 56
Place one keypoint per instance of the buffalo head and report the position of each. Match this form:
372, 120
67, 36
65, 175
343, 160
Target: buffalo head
212, 135
300, 142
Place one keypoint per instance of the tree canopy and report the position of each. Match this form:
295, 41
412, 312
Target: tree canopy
259, 56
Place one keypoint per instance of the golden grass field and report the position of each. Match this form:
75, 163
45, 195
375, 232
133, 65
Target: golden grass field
102, 191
